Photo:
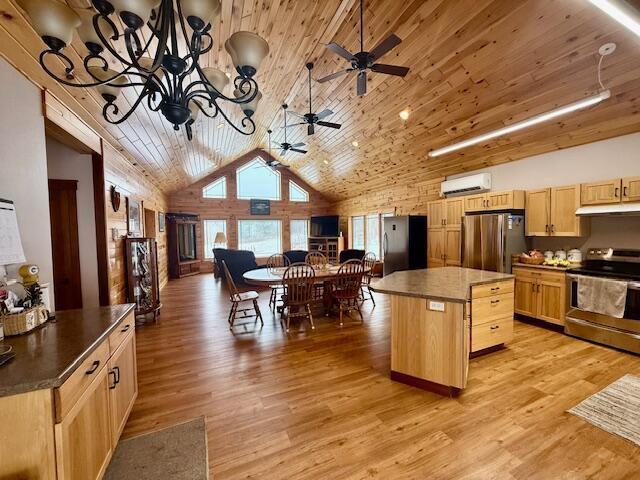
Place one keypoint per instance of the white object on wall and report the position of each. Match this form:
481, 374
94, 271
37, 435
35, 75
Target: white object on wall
10, 244
467, 185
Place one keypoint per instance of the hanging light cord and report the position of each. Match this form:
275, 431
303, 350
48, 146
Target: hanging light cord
600, 72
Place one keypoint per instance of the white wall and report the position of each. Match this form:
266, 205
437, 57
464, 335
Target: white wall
23, 168
65, 163
612, 158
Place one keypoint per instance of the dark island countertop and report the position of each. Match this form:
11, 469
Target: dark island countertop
47, 356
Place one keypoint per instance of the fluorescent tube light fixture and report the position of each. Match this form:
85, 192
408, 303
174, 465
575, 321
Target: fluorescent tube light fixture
543, 117
621, 12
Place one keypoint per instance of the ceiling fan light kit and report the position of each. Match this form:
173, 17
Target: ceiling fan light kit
286, 146
151, 64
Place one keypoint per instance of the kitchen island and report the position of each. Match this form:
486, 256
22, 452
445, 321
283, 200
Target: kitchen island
439, 316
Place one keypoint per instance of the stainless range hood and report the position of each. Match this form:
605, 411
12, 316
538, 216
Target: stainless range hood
629, 209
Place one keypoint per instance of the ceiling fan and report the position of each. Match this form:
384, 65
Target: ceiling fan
363, 61
285, 146
311, 119
272, 162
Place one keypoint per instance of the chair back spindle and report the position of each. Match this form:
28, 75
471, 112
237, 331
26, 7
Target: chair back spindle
298, 280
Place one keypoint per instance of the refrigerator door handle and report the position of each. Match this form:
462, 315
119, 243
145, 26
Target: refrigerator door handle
385, 243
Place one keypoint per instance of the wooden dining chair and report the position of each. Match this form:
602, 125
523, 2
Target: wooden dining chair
368, 262
274, 262
237, 299
346, 288
299, 283
316, 259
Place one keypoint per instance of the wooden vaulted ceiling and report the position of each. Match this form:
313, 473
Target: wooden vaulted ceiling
475, 65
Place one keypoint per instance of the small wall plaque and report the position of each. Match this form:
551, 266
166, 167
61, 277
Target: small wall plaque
260, 207
436, 306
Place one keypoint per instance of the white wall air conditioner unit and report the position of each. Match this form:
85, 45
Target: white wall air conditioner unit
466, 185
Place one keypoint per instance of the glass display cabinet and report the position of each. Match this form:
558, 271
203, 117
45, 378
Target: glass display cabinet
181, 244
143, 287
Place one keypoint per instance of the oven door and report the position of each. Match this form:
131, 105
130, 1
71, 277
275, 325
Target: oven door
631, 320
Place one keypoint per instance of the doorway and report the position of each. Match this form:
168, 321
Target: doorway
63, 211
149, 223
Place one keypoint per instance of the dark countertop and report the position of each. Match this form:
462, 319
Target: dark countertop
451, 284
47, 356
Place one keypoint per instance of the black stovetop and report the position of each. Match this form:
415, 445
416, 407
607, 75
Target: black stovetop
603, 268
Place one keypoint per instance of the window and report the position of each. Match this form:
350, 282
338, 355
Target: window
357, 232
299, 234
211, 229
373, 234
297, 193
257, 180
216, 189
262, 237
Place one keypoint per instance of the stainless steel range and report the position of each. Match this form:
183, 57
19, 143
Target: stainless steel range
614, 263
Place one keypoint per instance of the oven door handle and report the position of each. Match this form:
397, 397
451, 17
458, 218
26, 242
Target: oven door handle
633, 285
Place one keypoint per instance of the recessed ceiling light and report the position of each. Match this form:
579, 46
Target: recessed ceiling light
228, 74
543, 117
621, 13
404, 114
220, 125
355, 143
326, 162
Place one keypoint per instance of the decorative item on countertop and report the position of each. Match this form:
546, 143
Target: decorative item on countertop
560, 255
29, 274
574, 256
20, 316
532, 257
548, 255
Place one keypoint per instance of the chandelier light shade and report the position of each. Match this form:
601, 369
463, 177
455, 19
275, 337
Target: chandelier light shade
156, 54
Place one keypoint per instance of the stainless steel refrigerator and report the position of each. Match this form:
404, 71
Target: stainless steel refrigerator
489, 240
404, 243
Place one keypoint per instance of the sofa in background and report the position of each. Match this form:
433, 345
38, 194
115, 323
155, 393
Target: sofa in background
238, 262
351, 254
296, 256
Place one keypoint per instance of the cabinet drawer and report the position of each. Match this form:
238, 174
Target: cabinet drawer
491, 334
487, 309
488, 289
120, 333
72, 389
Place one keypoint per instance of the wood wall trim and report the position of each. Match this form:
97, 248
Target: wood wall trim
57, 113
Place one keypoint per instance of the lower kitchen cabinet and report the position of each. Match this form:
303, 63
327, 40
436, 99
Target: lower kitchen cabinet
540, 293
123, 387
491, 315
83, 439
436, 242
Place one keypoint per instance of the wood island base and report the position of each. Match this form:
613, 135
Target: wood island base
444, 390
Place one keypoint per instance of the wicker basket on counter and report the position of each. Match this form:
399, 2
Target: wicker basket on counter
25, 321
532, 260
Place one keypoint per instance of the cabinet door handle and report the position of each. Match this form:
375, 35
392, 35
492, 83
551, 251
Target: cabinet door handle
117, 370
546, 228
553, 228
533, 287
538, 287
495, 289
125, 328
624, 192
493, 302
616, 192
495, 327
93, 368
115, 379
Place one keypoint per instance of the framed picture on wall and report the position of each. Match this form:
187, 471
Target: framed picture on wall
161, 221
134, 217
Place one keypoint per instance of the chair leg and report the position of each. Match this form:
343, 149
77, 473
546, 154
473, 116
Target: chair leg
232, 314
340, 314
271, 299
360, 312
371, 296
258, 312
313, 327
288, 318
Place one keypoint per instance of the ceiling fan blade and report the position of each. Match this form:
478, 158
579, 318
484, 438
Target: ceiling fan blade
329, 124
338, 50
282, 152
294, 125
388, 44
390, 69
299, 144
324, 113
310, 129
295, 114
297, 150
335, 75
362, 83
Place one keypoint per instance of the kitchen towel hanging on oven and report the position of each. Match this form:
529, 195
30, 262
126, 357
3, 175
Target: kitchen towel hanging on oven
602, 295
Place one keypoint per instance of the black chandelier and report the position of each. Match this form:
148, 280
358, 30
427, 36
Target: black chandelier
174, 84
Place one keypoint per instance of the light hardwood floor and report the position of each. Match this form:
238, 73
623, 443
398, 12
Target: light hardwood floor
320, 405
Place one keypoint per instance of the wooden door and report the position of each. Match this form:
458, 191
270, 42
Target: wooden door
435, 214
63, 212
525, 296
550, 300
452, 249
83, 438
599, 193
474, 203
435, 247
123, 386
563, 219
537, 213
454, 210
149, 223
631, 189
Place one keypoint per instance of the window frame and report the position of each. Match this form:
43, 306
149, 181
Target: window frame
378, 217
248, 165
209, 251
308, 223
223, 180
364, 231
295, 186
260, 254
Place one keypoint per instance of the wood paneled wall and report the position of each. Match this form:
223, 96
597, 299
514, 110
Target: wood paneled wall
130, 183
190, 200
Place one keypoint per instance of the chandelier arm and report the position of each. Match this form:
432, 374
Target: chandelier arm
216, 108
245, 121
69, 68
151, 98
114, 108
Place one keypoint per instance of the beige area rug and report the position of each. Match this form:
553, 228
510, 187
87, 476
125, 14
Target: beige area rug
615, 409
177, 453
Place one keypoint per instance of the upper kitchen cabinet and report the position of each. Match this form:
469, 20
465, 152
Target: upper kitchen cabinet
436, 214
443, 239
454, 210
611, 191
507, 200
551, 212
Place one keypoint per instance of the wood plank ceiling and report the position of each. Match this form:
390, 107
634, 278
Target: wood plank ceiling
475, 65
